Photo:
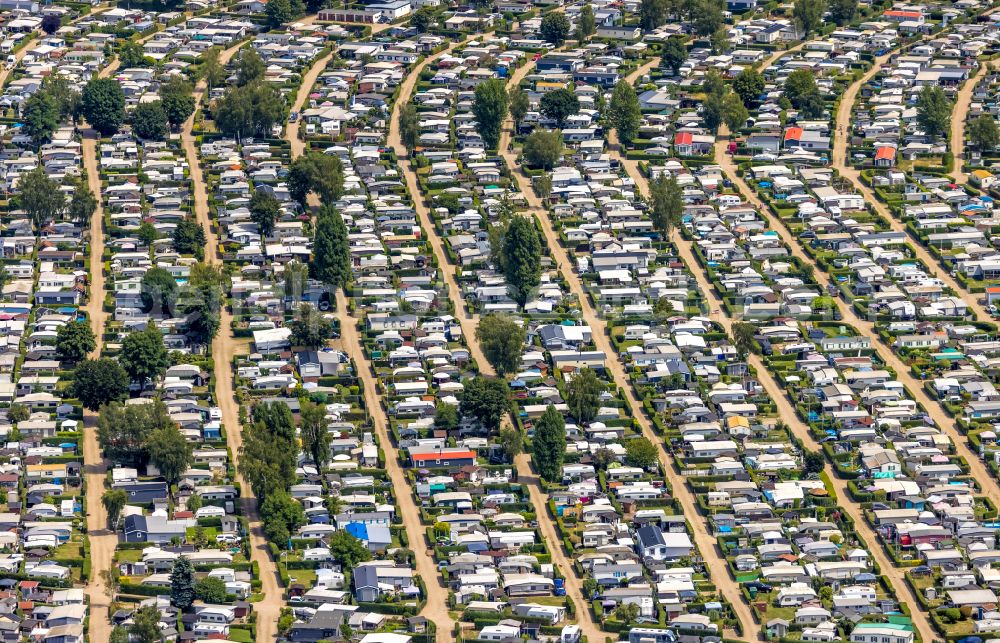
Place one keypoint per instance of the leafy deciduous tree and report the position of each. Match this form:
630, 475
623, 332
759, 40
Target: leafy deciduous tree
549, 444
502, 341
490, 108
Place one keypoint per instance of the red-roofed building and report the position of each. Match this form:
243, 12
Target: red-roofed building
446, 458
885, 156
903, 16
682, 143
992, 294
688, 144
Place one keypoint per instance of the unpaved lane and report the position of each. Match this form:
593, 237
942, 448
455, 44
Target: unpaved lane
293, 132
959, 115
715, 564
224, 348
574, 586
940, 419
436, 609
103, 540
845, 169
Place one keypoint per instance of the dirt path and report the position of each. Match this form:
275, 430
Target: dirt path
293, 132
716, 565
987, 483
201, 209
469, 322
959, 116
224, 348
436, 609
846, 170
786, 409
103, 540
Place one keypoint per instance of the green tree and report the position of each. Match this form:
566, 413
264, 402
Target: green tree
490, 108
211, 68
40, 196
264, 211
743, 337
983, 132
555, 28
123, 430
189, 238
211, 590
674, 54
316, 172
586, 25
158, 291
249, 110
409, 126
808, 14
543, 148
331, 262
147, 234
801, 91
119, 634
270, 449
749, 85
625, 113
97, 382
278, 12
711, 112
83, 203
652, 14
177, 96
813, 462
348, 549
519, 103
842, 12
309, 328
511, 443
713, 84
74, 341
933, 110
103, 105
640, 452
486, 400
281, 516
145, 626
734, 113
40, 115
667, 203
549, 445
249, 67
182, 583
422, 19
66, 95
559, 105
502, 340
201, 302
314, 433
583, 395
170, 452
709, 17
143, 354
131, 54
114, 501
446, 416
522, 254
